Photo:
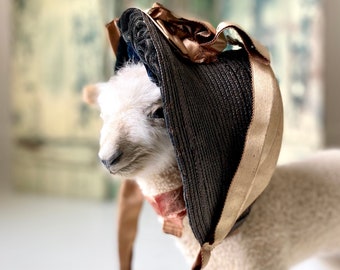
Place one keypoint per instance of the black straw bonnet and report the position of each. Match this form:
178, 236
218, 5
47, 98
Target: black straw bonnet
224, 117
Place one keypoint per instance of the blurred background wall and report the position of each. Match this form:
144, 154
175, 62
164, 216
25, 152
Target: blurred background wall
58, 47
4, 93
51, 49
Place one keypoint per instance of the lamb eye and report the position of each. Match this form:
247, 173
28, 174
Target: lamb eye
157, 113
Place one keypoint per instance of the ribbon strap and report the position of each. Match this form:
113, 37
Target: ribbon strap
263, 143
129, 207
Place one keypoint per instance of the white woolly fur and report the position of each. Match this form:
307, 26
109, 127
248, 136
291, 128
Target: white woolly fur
296, 217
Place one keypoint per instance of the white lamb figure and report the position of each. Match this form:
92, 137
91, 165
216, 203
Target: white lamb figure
296, 217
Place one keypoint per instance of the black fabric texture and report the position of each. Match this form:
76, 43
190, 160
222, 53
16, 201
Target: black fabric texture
208, 110
137, 36
125, 53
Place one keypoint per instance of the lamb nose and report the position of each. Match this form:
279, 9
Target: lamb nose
114, 159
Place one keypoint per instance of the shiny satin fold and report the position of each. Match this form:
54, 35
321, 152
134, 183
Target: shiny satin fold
186, 35
199, 41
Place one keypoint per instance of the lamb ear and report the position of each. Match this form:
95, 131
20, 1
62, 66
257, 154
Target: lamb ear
90, 94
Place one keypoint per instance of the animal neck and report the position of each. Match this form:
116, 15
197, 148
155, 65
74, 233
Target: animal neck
155, 183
